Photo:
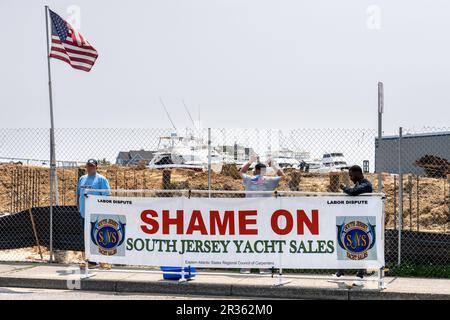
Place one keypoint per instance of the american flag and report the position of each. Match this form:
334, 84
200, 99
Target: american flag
70, 46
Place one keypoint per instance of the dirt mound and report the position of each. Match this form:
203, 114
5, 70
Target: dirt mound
426, 199
434, 166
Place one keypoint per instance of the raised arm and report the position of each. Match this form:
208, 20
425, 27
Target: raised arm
276, 168
247, 165
364, 187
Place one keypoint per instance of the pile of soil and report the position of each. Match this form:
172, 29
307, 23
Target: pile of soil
425, 207
434, 166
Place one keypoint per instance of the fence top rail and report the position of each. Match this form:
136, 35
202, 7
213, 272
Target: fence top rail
77, 162
187, 191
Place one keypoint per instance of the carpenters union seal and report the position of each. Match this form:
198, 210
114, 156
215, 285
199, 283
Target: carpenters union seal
107, 234
356, 237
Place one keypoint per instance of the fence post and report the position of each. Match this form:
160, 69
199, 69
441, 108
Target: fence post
52, 180
448, 181
209, 161
400, 196
418, 203
12, 190
395, 202
410, 190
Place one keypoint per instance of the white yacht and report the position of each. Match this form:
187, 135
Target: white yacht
182, 152
333, 162
285, 158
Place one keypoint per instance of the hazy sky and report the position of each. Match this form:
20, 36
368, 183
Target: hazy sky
246, 63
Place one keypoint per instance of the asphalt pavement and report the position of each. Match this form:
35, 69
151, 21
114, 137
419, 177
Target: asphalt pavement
120, 282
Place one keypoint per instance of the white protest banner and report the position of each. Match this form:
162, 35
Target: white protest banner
323, 232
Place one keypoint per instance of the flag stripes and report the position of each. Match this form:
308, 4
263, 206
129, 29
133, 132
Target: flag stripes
70, 46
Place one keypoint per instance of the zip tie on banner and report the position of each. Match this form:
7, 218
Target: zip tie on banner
276, 193
189, 193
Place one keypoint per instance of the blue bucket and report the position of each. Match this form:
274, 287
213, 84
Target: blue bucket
189, 273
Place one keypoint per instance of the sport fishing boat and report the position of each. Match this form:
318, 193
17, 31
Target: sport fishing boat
285, 158
188, 153
333, 162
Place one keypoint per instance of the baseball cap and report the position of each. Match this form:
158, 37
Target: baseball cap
260, 165
91, 162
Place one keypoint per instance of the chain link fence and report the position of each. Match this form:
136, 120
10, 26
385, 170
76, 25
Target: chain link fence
419, 160
413, 167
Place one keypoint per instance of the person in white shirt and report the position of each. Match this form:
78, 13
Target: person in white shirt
260, 182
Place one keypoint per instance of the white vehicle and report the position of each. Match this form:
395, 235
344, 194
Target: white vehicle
333, 162
188, 153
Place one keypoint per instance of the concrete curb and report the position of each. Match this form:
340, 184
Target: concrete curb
170, 287
289, 292
187, 288
196, 288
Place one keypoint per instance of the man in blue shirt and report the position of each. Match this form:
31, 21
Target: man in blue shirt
91, 180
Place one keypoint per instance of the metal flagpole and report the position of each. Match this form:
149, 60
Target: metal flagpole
400, 195
380, 127
52, 138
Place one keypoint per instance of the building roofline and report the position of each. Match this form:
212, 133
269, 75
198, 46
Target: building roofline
416, 135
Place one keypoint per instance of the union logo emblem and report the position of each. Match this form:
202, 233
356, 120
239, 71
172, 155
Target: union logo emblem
356, 238
107, 235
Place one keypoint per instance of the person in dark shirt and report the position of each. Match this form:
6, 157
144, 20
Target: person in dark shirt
361, 185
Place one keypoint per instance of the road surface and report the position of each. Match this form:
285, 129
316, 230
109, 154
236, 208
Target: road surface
49, 294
